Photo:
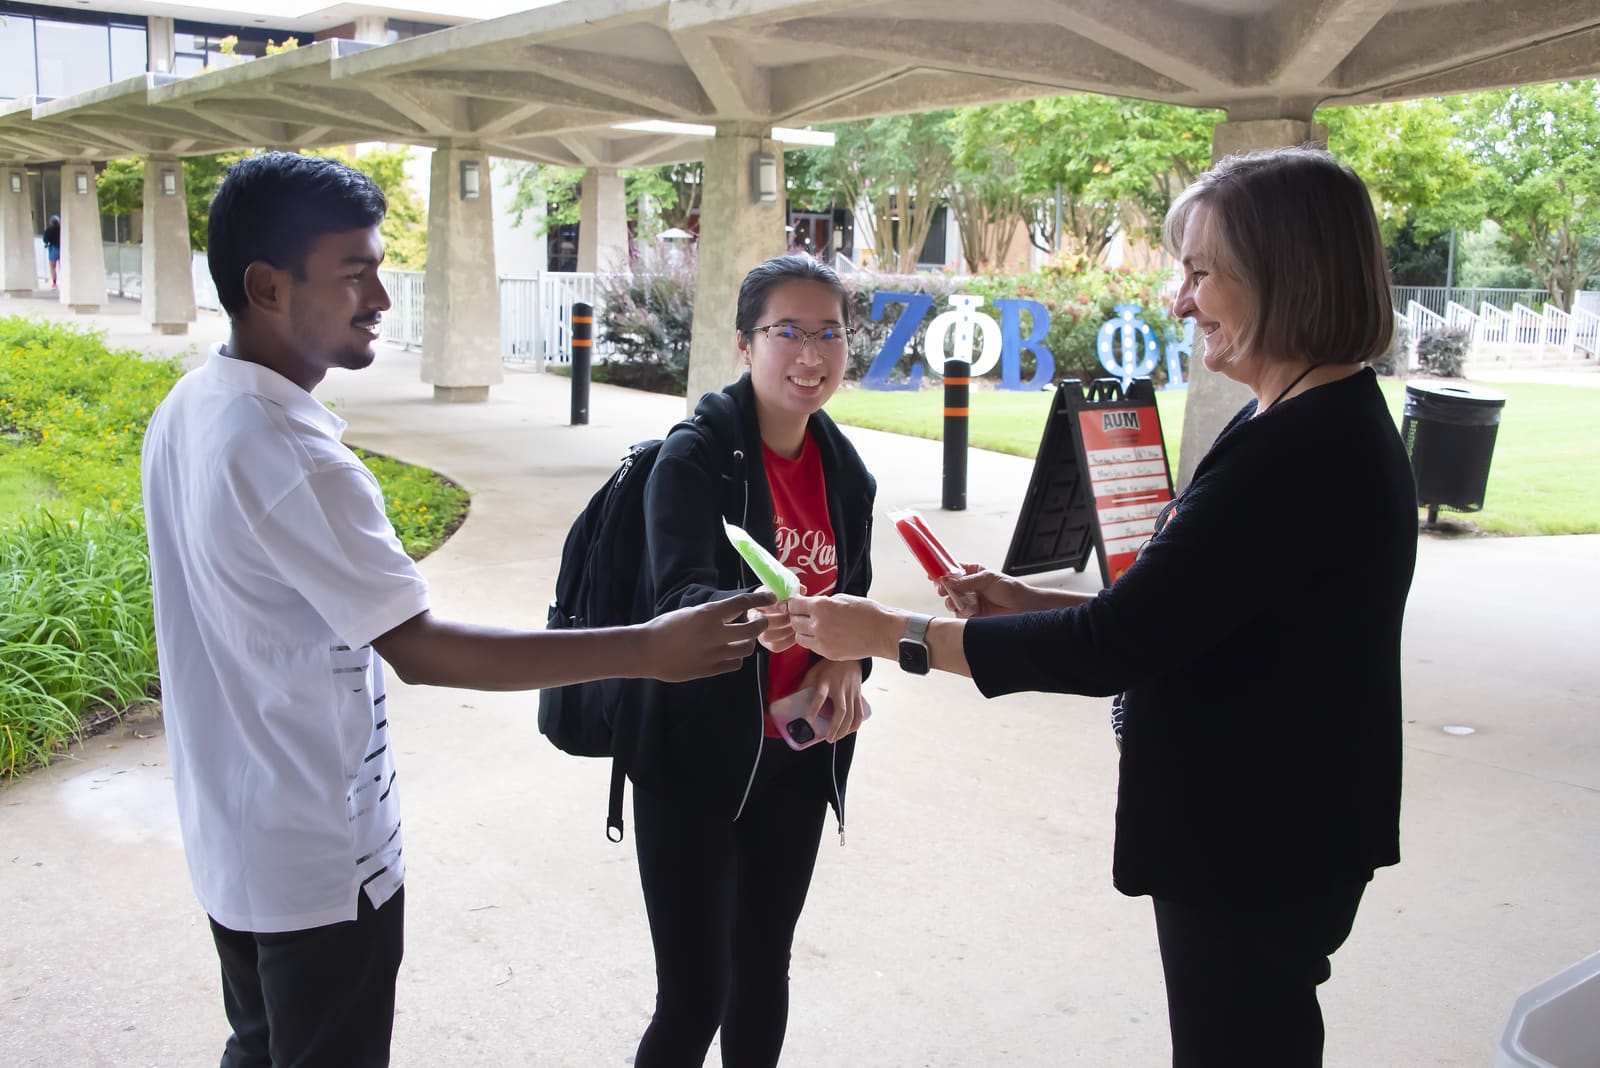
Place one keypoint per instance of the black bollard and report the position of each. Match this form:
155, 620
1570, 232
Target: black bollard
582, 350
957, 387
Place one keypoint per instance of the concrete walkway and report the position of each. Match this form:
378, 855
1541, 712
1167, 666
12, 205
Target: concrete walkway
970, 920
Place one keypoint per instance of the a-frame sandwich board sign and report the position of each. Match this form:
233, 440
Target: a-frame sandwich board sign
1099, 481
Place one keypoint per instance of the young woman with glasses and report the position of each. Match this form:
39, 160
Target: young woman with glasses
727, 816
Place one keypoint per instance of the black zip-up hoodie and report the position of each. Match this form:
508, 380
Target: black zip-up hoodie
702, 739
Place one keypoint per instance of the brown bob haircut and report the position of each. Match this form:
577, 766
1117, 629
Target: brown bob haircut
1296, 227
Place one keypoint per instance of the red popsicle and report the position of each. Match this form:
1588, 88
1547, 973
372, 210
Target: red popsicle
935, 559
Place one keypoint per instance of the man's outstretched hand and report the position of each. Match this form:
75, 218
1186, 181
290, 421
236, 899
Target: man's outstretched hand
706, 639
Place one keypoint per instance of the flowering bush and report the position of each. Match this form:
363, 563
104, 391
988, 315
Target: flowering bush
1081, 296
646, 315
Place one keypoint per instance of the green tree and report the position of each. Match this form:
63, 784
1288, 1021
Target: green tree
1416, 164
661, 197
1482, 259
1539, 150
120, 187
405, 227
202, 177
893, 172
1108, 163
987, 192
808, 176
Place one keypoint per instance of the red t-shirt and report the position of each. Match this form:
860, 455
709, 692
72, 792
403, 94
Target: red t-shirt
803, 536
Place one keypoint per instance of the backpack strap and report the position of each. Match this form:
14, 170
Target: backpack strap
619, 778
619, 773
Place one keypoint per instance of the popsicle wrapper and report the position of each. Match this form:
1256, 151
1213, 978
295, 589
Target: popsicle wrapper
774, 576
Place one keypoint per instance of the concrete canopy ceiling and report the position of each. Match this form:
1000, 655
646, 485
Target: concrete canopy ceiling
551, 84
797, 62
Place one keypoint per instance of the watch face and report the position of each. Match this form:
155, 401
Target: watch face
914, 657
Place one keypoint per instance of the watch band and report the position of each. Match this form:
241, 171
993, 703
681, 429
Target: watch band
917, 628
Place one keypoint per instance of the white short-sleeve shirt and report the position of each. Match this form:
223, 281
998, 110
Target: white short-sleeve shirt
274, 567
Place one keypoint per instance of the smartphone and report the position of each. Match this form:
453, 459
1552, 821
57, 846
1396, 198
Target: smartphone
799, 731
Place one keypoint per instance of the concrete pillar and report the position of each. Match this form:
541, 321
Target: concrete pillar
17, 267
1213, 399
461, 312
160, 44
736, 233
83, 255
168, 265
603, 221
372, 29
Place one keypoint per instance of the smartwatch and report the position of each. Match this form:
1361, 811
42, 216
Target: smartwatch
914, 647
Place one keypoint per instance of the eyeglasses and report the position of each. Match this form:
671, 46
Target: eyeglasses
791, 340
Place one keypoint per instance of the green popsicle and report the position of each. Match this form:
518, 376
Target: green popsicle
773, 575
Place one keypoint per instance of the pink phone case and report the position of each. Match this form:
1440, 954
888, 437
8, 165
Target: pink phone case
789, 714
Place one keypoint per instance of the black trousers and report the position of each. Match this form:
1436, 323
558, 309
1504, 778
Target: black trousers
1242, 979
723, 899
318, 998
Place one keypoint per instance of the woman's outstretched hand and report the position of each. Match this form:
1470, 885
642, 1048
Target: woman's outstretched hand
992, 593
843, 627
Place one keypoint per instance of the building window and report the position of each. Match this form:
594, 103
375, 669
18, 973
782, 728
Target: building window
18, 74
403, 29
58, 57
73, 57
130, 52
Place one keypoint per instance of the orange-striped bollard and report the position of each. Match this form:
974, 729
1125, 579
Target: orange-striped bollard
957, 386
582, 350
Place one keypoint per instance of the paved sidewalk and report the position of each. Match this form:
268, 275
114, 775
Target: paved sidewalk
970, 920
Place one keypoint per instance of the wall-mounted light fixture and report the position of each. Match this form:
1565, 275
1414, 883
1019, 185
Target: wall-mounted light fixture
80, 183
169, 183
764, 177
16, 182
470, 189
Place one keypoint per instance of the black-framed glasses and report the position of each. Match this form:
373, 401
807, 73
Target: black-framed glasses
791, 339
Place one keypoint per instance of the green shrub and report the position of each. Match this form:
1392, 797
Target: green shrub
76, 633
1443, 352
1081, 296
646, 314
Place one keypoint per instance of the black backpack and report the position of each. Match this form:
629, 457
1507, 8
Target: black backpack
602, 582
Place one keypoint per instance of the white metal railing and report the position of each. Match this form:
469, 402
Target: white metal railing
1555, 329
1526, 325
402, 323
1586, 300
1461, 318
1586, 331
1494, 327
124, 269
1436, 298
1420, 320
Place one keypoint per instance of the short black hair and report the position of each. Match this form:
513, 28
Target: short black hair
274, 206
795, 267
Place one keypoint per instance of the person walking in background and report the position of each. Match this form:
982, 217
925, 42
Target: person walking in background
1260, 768
280, 592
52, 246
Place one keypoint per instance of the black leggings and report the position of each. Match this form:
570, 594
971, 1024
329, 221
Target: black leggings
723, 899
1242, 979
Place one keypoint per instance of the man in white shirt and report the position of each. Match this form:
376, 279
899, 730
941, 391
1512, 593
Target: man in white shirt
280, 591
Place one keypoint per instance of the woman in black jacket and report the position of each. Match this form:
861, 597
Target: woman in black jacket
1256, 639
727, 817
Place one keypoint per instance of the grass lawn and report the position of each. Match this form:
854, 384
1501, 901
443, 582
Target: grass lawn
1545, 478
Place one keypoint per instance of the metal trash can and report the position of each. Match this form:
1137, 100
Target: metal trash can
1449, 431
